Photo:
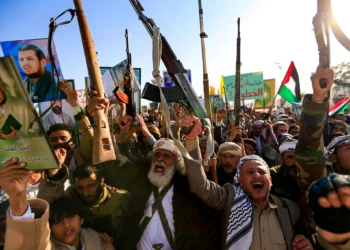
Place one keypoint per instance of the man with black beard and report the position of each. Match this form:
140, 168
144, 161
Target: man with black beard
285, 181
57, 116
229, 155
39, 82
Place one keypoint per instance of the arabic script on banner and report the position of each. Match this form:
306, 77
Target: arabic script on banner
252, 86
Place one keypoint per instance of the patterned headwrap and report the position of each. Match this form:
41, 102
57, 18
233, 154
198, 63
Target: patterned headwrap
240, 223
166, 144
341, 140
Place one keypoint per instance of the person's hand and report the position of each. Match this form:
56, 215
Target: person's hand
2, 229
13, 180
212, 163
329, 200
106, 239
10, 136
179, 115
300, 242
72, 96
61, 154
124, 123
143, 126
319, 93
96, 104
236, 130
188, 121
241, 144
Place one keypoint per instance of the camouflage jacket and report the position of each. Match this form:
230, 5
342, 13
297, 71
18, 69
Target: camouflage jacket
309, 154
309, 151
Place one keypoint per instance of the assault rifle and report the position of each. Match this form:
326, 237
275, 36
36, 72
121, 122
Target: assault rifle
127, 96
183, 91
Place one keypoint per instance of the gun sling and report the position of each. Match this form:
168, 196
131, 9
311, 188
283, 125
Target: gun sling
157, 206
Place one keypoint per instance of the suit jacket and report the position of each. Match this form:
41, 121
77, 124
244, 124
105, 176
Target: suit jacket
35, 234
221, 198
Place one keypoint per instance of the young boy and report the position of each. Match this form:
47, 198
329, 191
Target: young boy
27, 220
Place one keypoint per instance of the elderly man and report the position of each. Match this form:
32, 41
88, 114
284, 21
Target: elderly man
162, 210
229, 155
251, 217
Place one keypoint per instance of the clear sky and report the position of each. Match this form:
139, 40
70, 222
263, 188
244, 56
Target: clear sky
272, 31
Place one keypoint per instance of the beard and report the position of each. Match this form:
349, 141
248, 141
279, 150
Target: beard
57, 110
161, 179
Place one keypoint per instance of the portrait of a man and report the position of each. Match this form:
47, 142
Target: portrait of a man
34, 66
56, 115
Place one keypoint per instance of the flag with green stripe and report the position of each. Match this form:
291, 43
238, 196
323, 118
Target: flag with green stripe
290, 86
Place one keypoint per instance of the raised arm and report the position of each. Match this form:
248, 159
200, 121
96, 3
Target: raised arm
310, 148
23, 231
209, 192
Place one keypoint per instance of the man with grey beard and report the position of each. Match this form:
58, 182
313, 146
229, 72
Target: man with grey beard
163, 211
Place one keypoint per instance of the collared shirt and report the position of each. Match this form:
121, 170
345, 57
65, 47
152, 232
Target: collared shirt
32, 190
267, 231
154, 232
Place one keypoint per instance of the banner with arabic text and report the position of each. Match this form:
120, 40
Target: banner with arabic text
252, 86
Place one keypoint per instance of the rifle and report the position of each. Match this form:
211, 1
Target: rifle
102, 149
127, 96
324, 19
183, 91
238, 80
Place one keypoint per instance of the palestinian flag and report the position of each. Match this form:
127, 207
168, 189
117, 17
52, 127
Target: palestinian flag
338, 106
290, 86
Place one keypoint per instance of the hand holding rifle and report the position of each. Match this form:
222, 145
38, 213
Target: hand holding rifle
320, 93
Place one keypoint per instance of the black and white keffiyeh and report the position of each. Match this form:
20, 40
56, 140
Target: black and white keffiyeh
341, 140
240, 223
3, 196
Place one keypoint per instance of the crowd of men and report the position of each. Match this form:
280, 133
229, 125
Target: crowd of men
285, 184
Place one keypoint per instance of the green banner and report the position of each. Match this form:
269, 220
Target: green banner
252, 86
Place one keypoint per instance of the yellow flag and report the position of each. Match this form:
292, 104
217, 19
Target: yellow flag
222, 86
211, 90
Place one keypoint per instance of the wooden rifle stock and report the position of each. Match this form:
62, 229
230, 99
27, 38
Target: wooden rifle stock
102, 149
238, 81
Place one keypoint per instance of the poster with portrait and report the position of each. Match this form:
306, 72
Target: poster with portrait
169, 82
115, 77
21, 133
60, 112
32, 60
217, 102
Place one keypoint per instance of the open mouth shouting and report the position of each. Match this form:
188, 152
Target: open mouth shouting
258, 186
159, 167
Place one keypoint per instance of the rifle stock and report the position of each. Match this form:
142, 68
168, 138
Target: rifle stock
175, 69
102, 149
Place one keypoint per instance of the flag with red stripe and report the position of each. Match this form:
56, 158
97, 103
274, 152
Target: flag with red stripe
338, 106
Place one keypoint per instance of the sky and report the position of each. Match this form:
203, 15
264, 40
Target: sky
273, 33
